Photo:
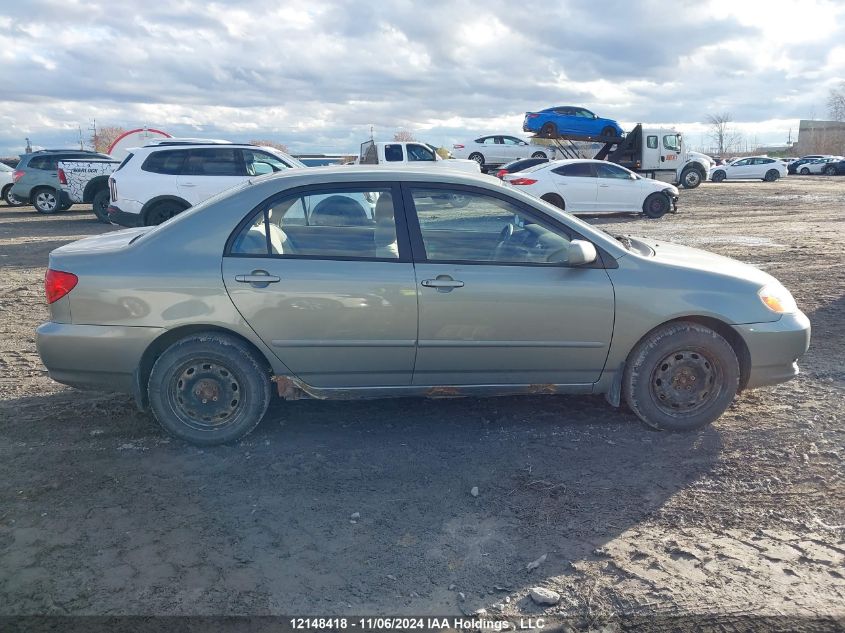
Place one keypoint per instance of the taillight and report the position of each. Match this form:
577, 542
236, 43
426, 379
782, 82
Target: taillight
112, 190
531, 115
58, 283
522, 181
457, 146
62, 177
17, 175
501, 173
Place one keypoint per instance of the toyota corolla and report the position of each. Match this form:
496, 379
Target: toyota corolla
369, 282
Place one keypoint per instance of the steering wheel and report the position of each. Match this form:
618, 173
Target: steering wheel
504, 237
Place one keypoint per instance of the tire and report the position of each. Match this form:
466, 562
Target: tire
804, 171
100, 205
478, 158
10, 199
657, 205
718, 176
553, 198
162, 212
830, 170
45, 200
539, 155
549, 130
609, 132
664, 374
771, 175
65, 206
191, 373
692, 177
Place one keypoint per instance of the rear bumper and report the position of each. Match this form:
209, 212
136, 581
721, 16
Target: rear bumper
101, 357
129, 220
775, 347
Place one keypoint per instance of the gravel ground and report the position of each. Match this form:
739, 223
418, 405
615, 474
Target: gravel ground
100, 513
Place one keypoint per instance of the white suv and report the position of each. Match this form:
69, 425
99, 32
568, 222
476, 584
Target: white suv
165, 177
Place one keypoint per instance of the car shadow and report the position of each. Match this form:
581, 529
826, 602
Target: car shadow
328, 507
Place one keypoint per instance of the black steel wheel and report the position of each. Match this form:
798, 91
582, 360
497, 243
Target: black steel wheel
718, 176
162, 212
771, 175
209, 389
657, 205
549, 130
100, 205
680, 377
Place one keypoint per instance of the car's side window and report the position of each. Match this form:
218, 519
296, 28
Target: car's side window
349, 223
39, 162
670, 141
490, 140
463, 226
740, 163
215, 161
393, 153
576, 170
612, 171
258, 163
169, 162
420, 153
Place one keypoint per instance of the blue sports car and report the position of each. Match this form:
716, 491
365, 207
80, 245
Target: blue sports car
573, 120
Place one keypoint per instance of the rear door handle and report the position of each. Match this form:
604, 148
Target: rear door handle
188, 184
604, 185
258, 277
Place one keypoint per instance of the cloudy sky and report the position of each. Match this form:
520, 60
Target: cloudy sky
316, 75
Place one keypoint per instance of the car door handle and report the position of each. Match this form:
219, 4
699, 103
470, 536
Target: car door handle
604, 185
443, 283
188, 184
257, 277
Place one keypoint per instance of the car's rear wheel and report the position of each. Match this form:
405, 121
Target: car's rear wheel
804, 171
209, 388
46, 200
549, 130
11, 199
830, 170
162, 212
539, 155
771, 175
656, 205
680, 377
718, 176
100, 205
553, 198
478, 158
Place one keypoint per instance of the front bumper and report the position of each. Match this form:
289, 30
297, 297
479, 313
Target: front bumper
775, 347
122, 218
93, 356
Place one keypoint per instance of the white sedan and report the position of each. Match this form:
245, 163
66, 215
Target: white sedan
751, 168
595, 186
498, 149
817, 166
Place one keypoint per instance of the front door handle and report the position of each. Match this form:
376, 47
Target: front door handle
188, 184
443, 283
261, 277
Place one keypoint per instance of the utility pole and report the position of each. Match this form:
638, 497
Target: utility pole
81, 146
28, 146
93, 129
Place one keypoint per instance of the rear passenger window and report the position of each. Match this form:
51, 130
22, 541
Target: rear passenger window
169, 162
651, 142
215, 161
576, 170
393, 153
344, 224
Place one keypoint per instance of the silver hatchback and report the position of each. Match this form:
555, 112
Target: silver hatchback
361, 282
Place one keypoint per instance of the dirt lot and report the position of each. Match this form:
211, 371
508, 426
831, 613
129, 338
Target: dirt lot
100, 513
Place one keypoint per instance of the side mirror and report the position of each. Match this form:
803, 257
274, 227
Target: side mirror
581, 252
633, 176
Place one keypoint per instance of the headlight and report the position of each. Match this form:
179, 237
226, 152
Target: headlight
777, 299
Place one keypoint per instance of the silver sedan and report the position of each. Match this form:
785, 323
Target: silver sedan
360, 282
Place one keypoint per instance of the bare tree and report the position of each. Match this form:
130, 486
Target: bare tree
403, 136
103, 137
724, 136
836, 103
279, 146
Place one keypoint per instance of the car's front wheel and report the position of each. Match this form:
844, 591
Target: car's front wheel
46, 200
718, 176
10, 198
100, 205
656, 205
209, 388
609, 132
680, 377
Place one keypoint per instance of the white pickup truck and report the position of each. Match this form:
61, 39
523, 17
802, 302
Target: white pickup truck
411, 154
88, 181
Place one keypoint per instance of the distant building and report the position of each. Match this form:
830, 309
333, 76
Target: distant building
821, 137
